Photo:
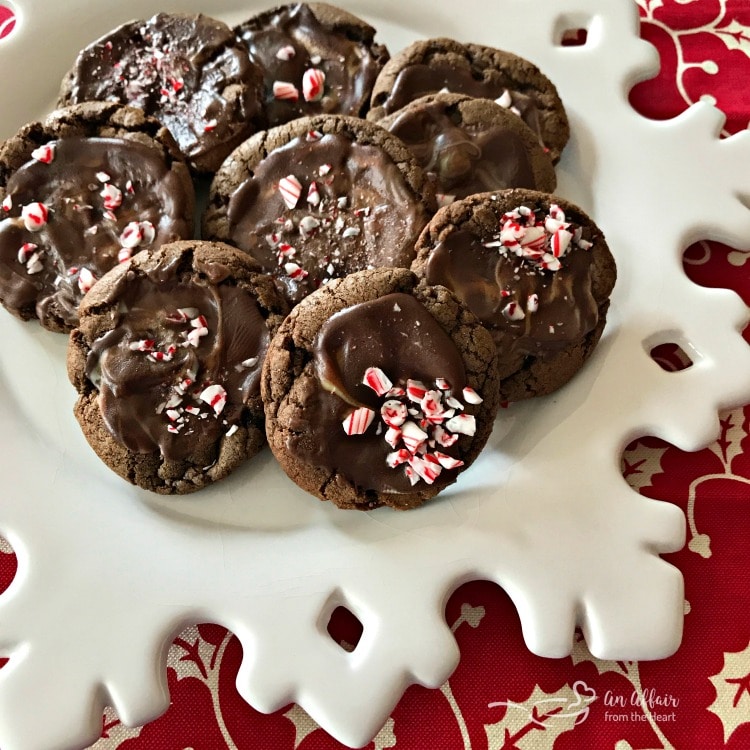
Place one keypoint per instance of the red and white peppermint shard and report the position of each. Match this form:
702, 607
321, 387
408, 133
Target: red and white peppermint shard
215, 396
471, 396
7, 203
291, 190
112, 196
376, 379
286, 53
504, 99
132, 235
295, 272
313, 84
413, 436
446, 461
34, 264
313, 195
465, 424
285, 91
34, 216
415, 390
358, 421
425, 469
26, 251
394, 413
513, 311
86, 280
532, 303
124, 255
44, 154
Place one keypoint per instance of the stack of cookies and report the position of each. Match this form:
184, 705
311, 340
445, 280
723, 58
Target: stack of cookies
381, 259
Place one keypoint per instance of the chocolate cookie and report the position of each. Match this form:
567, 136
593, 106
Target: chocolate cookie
434, 65
315, 58
319, 198
80, 192
188, 71
535, 270
167, 362
379, 390
470, 145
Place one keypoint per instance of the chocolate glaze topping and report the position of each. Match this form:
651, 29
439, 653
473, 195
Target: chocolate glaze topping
289, 40
142, 395
488, 281
366, 216
464, 159
420, 79
395, 333
81, 234
187, 71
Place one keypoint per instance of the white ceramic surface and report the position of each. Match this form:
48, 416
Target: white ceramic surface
108, 574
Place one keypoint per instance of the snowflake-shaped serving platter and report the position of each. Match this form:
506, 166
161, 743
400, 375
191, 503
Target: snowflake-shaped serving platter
109, 574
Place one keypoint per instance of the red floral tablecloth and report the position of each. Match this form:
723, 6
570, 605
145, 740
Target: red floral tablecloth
497, 698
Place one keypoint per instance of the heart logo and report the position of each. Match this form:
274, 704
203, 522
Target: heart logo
7, 21
584, 693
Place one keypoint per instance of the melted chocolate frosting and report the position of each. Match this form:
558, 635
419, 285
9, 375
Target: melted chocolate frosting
464, 159
187, 71
80, 232
488, 281
366, 216
142, 395
420, 79
289, 40
395, 333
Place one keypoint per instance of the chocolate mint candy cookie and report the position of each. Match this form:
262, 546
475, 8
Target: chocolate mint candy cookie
81, 191
316, 59
379, 390
535, 270
470, 145
435, 65
319, 198
167, 362
188, 71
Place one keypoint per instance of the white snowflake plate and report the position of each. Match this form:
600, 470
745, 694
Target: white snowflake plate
109, 574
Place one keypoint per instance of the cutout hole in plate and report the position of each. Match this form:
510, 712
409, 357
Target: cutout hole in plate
7, 20
345, 628
671, 351
572, 30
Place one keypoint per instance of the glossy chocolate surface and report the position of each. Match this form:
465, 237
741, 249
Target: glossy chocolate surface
290, 40
189, 72
488, 281
395, 333
464, 159
81, 232
152, 368
421, 79
365, 215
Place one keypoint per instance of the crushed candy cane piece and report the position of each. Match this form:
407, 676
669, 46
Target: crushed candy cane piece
26, 250
7, 203
313, 136
313, 195
357, 422
376, 379
446, 461
286, 53
465, 424
291, 190
471, 396
313, 84
45, 153
285, 91
394, 413
112, 196
294, 271
34, 216
132, 235
215, 396
513, 311
413, 436
124, 255
103, 177
532, 303
86, 280
415, 390
232, 430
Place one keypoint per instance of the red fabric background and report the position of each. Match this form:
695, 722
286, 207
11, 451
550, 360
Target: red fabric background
700, 698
